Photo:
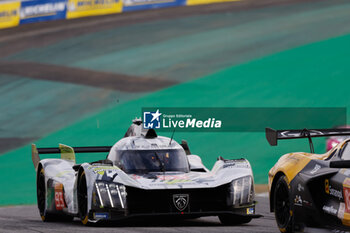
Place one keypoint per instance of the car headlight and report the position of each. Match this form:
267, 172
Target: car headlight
111, 194
114, 192
100, 184
242, 191
112, 186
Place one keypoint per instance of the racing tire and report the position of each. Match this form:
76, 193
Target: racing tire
41, 200
231, 220
83, 200
41, 197
283, 206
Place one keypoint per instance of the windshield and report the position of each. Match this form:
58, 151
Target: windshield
144, 161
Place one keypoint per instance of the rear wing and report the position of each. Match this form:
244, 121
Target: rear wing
273, 135
67, 152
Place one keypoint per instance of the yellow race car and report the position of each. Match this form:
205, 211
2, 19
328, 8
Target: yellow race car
308, 189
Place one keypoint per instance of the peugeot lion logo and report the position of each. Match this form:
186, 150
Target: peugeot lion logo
180, 201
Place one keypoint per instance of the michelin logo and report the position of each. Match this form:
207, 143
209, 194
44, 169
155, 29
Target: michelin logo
151, 120
42, 9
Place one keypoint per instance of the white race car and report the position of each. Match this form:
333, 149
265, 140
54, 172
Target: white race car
143, 175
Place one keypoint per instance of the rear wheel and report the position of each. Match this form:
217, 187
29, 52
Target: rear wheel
83, 199
41, 199
41, 196
228, 219
283, 206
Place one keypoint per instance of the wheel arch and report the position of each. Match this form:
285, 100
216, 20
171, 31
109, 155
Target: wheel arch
39, 167
90, 178
273, 186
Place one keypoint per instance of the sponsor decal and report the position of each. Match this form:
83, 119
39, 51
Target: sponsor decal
42, 10
101, 170
300, 188
101, 215
144, 2
331, 191
335, 193
237, 164
298, 201
166, 179
83, 8
316, 168
62, 174
130, 5
135, 177
200, 2
307, 203
250, 210
341, 210
9, 14
180, 201
329, 210
173, 179
59, 199
326, 186
344, 171
346, 191
157, 120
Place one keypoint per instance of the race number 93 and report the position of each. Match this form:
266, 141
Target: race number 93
59, 200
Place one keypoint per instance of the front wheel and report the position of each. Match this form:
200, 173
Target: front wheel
282, 206
230, 220
83, 199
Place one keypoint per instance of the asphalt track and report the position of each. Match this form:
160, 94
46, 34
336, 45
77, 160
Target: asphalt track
27, 219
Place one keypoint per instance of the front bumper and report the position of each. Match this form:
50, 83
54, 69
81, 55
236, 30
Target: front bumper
110, 214
180, 203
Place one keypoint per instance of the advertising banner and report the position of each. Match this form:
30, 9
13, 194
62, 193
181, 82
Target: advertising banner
83, 8
9, 14
199, 2
42, 10
131, 5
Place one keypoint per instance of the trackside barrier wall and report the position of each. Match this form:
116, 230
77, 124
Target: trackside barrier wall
9, 14
131, 5
14, 13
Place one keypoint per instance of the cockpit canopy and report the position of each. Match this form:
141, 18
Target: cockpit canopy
145, 161
143, 151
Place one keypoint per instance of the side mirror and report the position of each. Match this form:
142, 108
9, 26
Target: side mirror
340, 164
